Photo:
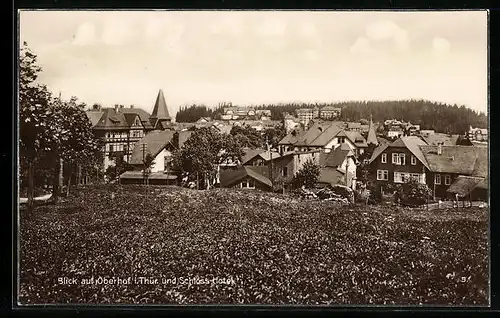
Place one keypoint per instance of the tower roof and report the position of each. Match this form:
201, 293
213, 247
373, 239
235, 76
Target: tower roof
372, 137
160, 110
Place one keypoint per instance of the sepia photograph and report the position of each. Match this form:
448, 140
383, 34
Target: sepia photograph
237, 157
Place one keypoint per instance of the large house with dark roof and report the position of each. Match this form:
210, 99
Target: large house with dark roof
121, 127
437, 166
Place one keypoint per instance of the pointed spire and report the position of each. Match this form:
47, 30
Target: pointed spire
160, 110
372, 137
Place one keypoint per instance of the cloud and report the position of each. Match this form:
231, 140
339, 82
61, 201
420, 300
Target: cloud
85, 34
379, 32
440, 46
362, 47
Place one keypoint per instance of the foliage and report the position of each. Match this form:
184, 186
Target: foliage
274, 135
278, 250
375, 191
190, 114
204, 151
307, 176
247, 137
414, 192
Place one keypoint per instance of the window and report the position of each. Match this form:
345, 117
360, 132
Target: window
110, 148
341, 140
244, 183
382, 175
251, 184
413, 160
384, 158
415, 176
437, 179
395, 158
447, 180
285, 171
398, 178
402, 159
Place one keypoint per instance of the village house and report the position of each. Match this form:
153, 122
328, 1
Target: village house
246, 177
326, 136
160, 145
447, 163
399, 161
338, 167
288, 142
478, 134
282, 167
330, 112
437, 166
120, 127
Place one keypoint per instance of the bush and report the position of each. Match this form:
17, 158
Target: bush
307, 175
415, 193
375, 196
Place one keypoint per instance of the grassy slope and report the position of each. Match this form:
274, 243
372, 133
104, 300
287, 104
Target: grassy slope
278, 250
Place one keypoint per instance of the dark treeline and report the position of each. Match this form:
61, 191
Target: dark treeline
190, 114
429, 115
441, 117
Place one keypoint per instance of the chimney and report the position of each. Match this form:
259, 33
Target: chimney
121, 106
131, 106
116, 108
440, 149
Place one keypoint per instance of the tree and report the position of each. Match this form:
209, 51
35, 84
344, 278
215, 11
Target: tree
203, 152
247, 136
274, 135
38, 129
307, 176
414, 192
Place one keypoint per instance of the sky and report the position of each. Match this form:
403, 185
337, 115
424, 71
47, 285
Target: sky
256, 57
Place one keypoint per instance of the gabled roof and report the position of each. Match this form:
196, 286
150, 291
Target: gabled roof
143, 115
333, 176
292, 138
377, 151
312, 133
467, 160
160, 110
464, 185
446, 140
327, 135
412, 143
334, 158
356, 138
262, 153
249, 154
94, 116
155, 140
231, 177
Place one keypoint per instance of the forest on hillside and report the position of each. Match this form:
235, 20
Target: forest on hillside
441, 117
